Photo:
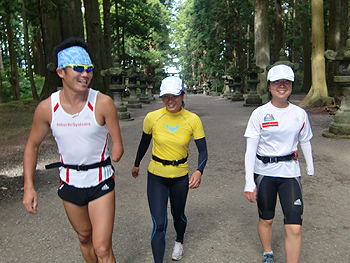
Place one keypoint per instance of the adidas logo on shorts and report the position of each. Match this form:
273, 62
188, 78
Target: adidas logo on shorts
297, 202
105, 187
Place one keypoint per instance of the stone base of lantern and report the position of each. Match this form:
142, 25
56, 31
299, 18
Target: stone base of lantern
237, 96
134, 103
340, 127
123, 113
253, 100
145, 100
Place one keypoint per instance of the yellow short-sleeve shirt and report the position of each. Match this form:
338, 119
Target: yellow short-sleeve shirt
171, 135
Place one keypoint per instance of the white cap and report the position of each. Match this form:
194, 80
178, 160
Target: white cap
171, 85
280, 72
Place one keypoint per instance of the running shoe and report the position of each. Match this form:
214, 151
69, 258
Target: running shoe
178, 251
268, 258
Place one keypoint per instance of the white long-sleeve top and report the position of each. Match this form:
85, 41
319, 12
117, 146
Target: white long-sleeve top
274, 132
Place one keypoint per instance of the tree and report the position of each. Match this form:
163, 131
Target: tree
29, 61
51, 33
96, 43
318, 92
262, 44
278, 31
306, 46
13, 58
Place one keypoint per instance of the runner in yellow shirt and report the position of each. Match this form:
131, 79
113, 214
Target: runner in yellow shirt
171, 129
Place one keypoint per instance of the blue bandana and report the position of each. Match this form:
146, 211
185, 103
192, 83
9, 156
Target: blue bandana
73, 55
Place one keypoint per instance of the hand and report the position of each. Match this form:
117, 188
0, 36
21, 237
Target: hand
251, 196
195, 180
135, 171
30, 200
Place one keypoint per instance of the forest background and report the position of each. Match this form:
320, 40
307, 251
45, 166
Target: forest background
206, 38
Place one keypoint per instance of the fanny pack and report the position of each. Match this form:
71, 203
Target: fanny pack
81, 167
166, 162
292, 156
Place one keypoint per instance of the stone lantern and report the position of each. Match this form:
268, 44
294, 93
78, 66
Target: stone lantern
133, 101
284, 60
253, 98
227, 89
205, 88
143, 86
117, 87
237, 95
150, 85
208, 81
340, 127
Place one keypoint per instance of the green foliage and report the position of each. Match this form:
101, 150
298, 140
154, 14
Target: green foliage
207, 34
24, 86
147, 34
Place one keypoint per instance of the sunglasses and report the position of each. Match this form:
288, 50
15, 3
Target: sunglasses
80, 68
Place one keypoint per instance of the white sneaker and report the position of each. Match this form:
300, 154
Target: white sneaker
178, 251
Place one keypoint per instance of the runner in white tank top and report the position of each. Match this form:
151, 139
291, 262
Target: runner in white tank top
81, 120
80, 140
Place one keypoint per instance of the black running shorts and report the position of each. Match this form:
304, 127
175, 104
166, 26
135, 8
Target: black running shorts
82, 196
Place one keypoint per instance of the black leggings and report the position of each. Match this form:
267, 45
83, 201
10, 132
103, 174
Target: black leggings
289, 193
158, 190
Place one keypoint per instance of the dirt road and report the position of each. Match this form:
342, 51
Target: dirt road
222, 224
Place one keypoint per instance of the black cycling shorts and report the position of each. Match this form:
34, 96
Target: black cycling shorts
82, 196
289, 193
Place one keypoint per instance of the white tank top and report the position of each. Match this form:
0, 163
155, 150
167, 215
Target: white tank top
80, 140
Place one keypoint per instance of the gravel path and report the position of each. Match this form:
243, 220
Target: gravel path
222, 224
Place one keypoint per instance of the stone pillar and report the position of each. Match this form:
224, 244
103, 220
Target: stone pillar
117, 87
340, 127
253, 98
133, 101
237, 95
227, 90
143, 86
150, 94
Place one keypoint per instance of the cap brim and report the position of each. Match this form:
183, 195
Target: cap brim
275, 78
169, 92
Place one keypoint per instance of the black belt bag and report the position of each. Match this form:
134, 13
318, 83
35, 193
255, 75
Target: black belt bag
81, 167
166, 162
292, 156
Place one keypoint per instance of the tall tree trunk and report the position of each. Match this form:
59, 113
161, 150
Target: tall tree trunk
107, 31
279, 31
239, 37
333, 38
77, 16
229, 34
64, 10
318, 92
1, 76
29, 61
262, 44
123, 36
13, 59
107, 40
95, 41
306, 49
38, 54
117, 25
51, 33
